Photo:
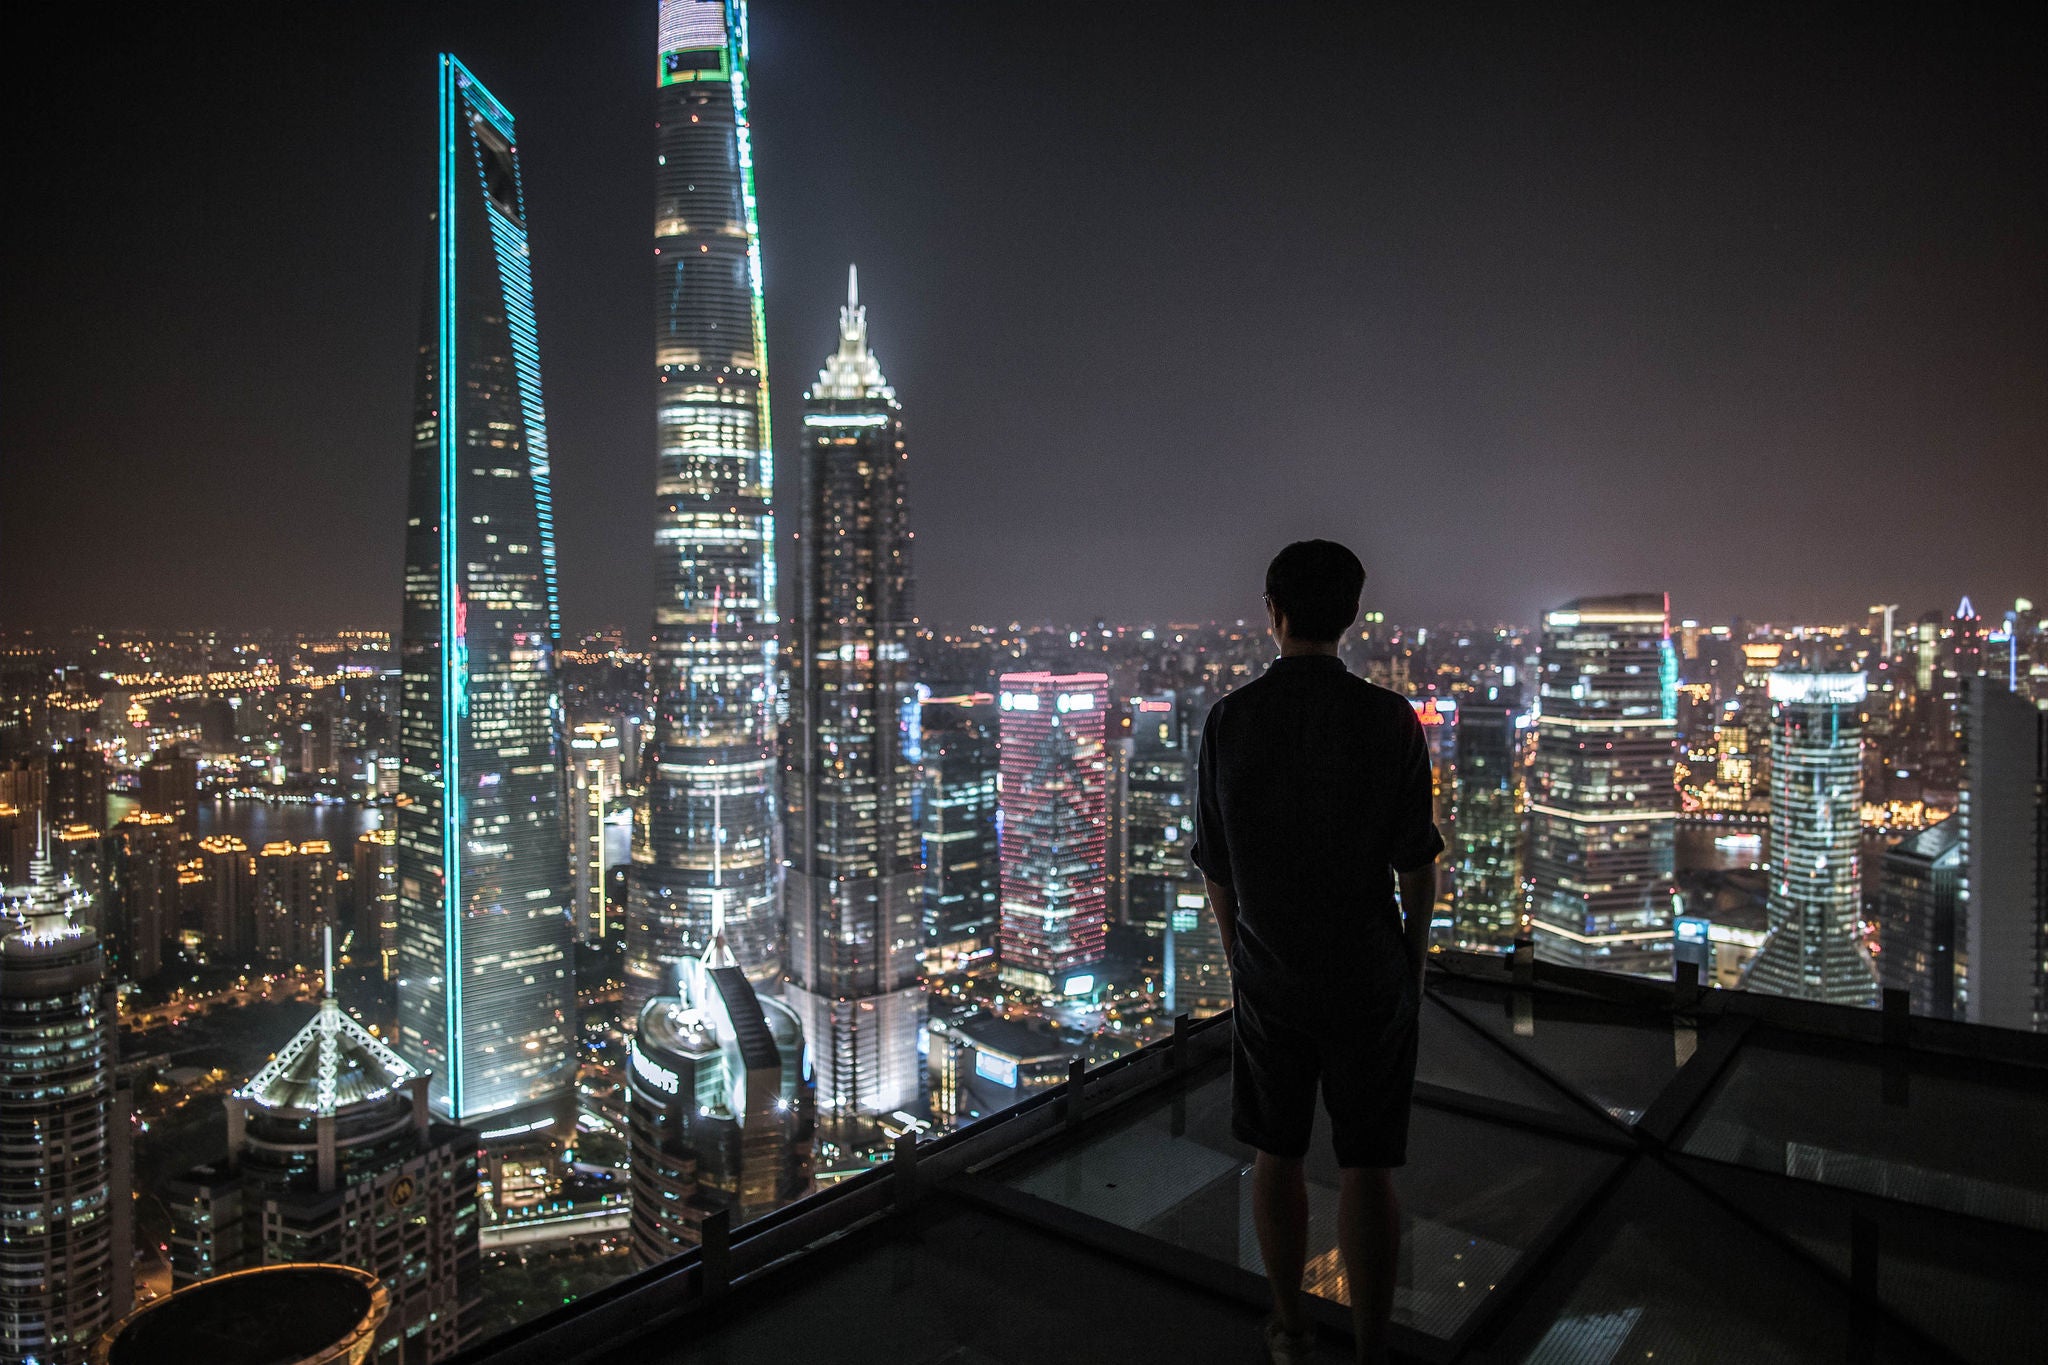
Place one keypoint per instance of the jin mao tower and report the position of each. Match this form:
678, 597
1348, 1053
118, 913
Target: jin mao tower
855, 884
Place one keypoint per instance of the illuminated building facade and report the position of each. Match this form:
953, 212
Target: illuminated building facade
1603, 810
485, 1001
334, 1158
141, 892
705, 859
1439, 717
854, 888
295, 889
1160, 813
961, 857
374, 881
1486, 845
596, 786
1196, 971
170, 786
1815, 861
228, 911
1916, 918
1053, 825
66, 1238
2002, 826
720, 1107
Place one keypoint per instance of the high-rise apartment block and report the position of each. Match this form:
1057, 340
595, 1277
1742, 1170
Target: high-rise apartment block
854, 888
227, 912
961, 857
1815, 949
705, 854
141, 892
2002, 829
1486, 844
334, 1158
66, 1233
485, 1001
1054, 830
1603, 808
720, 1107
295, 890
1916, 918
170, 786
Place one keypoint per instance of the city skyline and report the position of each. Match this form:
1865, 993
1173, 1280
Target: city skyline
1852, 328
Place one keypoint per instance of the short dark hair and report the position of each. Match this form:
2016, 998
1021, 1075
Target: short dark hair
1315, 585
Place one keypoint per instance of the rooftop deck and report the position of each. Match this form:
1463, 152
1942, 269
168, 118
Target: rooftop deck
1600, 1170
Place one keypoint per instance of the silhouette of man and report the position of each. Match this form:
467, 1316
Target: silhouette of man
1314, 803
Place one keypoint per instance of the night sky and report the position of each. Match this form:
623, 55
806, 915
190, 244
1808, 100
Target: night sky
1749, 305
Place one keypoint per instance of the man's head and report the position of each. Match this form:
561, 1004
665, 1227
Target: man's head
1312, 590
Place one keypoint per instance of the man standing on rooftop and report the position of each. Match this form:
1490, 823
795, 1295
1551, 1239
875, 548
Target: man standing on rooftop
1314, 802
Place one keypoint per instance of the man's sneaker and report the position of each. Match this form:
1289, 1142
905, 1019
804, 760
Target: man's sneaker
1289, 1348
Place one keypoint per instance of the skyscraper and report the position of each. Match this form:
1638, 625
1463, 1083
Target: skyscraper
332, 1157
1486, 906
65, 1222
1815, 950
2002, 827
1160, 801
1916, 919
1603, 810
141, 910
961, 858
719, 1107
854, 889
705, 859
1054, 828
485, 1001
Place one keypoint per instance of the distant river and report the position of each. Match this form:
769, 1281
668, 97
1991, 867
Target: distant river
257, 823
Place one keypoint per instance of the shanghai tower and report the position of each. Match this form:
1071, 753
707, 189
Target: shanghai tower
850, 750
485, 999
705, 860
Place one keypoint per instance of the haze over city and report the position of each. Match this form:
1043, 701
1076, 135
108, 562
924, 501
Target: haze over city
1746, 306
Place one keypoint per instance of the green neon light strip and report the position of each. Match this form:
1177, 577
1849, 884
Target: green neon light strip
736, 57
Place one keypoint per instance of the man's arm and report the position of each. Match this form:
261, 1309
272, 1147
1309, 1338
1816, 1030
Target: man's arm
1418, 903
1223, 904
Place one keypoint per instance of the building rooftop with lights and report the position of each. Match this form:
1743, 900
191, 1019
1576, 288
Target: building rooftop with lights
333, 1156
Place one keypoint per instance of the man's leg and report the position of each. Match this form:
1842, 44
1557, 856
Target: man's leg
1369, 1238
1280, 1214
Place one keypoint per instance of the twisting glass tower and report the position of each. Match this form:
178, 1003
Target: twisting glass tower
484, 989
1815, 949
856, 880
704, 847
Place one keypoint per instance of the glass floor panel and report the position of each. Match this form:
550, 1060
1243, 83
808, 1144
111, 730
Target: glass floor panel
1617, 1057
1920, 1127
1450, 1054
1474, 1196
1665, 1275
1970, 1285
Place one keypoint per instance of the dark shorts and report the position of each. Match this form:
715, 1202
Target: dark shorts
1364, 1062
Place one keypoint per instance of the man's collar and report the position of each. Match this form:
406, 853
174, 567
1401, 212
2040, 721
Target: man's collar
1307, 663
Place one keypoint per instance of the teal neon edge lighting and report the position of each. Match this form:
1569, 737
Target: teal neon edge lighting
453, 77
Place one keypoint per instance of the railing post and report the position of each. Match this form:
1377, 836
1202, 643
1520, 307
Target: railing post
714, 1262
1685, 985
903, 1169
1898, 1017
1176, 1059
1522, 962
1077, 1079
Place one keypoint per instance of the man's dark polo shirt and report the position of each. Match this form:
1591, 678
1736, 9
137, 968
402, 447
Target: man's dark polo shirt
1314, 792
